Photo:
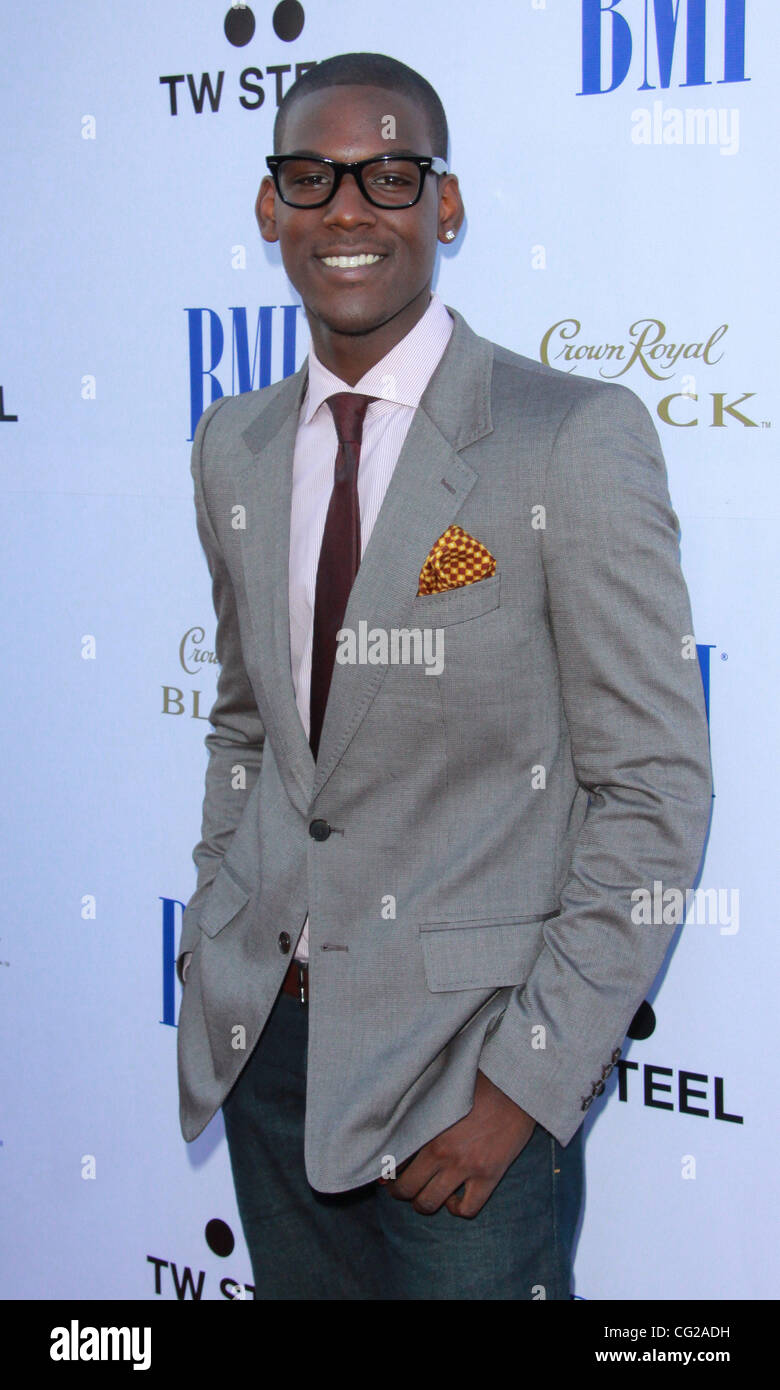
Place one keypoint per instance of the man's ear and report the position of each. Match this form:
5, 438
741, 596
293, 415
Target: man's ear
265, 210
451, 209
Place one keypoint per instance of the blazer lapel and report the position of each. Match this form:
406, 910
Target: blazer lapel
429, 486
264, 482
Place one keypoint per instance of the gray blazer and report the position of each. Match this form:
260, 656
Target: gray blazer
469, 892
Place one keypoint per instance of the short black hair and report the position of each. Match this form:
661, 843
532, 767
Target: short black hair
368, 70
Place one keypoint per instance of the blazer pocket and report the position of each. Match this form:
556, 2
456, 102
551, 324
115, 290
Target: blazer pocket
456, 605
481, 954
226, 899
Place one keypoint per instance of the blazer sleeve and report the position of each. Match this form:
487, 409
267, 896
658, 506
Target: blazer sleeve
237, 734
632, 696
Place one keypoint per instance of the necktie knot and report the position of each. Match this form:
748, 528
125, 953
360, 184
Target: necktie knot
348, 409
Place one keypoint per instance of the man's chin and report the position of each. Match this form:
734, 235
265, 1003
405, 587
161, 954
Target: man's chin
351, 321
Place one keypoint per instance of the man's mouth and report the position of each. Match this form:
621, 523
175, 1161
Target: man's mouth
350, 262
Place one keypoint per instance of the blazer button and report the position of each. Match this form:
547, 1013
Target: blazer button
319, 830
616, 1053
598, 1088
605, 1071
284, 942
586, 1101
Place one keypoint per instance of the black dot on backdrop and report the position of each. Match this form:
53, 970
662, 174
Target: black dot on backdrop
219, 1237
239, 26
288, 20
643, 1022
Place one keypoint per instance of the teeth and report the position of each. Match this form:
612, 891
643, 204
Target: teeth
346, 262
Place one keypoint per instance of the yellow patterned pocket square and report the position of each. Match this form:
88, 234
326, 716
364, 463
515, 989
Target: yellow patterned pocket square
456, 559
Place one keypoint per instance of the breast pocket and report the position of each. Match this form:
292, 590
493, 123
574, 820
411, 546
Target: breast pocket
479, 954
456, 605
227, 897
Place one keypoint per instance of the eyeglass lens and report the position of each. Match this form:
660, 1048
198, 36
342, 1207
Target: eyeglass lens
391, 183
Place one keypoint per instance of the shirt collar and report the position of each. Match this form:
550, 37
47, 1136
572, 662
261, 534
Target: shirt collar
401, 376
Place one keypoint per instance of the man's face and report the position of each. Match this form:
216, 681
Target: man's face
346, 123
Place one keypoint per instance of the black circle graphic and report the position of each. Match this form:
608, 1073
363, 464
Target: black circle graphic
643, 1022
288, 20
219, 1237
239, 26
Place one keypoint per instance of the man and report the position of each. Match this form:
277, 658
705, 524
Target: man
411, 959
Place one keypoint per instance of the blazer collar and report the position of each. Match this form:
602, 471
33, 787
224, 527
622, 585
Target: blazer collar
456, 399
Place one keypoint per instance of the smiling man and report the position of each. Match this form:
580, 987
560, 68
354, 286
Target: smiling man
410, 960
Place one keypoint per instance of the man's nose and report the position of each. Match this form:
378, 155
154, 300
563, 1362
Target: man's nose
348, 206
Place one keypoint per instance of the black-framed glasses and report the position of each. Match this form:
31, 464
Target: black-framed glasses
387, 181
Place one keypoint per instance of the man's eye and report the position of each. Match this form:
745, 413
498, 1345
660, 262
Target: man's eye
309, 180
391, 180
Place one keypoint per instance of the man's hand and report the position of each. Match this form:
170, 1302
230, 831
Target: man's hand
185, 966
477, 1151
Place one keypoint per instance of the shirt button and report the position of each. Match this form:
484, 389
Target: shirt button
319, 830
284, 942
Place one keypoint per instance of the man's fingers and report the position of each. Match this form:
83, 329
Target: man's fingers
436, 1193
471, 1200
413, 1177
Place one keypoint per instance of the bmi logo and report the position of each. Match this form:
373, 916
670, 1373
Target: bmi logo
644, 37
259, 352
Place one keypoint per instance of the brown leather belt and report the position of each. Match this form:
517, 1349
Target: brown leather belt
296, 981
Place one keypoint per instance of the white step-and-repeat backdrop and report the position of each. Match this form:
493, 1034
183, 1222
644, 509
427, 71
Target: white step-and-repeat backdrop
617, 159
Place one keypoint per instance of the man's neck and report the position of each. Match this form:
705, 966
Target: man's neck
350, 355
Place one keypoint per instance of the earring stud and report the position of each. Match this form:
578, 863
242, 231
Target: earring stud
450, 234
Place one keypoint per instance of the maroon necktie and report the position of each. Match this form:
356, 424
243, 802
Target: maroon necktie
340, 552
